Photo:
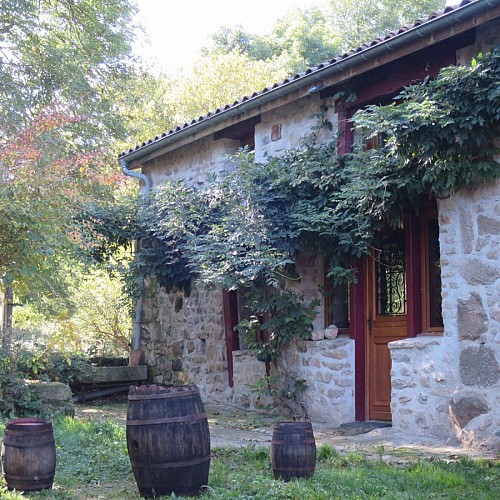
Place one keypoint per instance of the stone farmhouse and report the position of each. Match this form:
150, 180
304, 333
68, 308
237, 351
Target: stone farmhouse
430, 364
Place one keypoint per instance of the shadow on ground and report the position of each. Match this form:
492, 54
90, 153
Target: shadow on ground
230, 426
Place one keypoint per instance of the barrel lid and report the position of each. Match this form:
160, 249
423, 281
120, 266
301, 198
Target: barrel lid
292, 425
162, 389
28, 422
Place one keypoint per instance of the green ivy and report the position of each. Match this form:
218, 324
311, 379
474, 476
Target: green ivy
247, 226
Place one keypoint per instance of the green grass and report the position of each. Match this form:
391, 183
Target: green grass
93, 464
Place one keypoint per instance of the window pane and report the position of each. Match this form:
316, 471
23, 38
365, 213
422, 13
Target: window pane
391, 276
339, 306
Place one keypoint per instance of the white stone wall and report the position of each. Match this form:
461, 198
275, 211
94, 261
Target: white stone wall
450, 385
327, 366
192, 163
423, 378
294, 122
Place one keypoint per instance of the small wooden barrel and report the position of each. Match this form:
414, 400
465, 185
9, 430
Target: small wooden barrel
293, 450
168, 439
28, 454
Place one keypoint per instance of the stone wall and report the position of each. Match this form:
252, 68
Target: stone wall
284, 128
327, 367
423, 378
450, 385
192, 163
183, 338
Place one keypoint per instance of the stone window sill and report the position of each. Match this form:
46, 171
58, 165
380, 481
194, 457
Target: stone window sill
431, 334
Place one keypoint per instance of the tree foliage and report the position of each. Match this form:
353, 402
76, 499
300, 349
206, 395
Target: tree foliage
44, 181
308, 37
442, 134
65, 51
220, 79
61, 65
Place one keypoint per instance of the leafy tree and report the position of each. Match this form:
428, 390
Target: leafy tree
356, 22
43, 184
300, 39
68, 51
148, 106
61, 62
219, 79
308, 37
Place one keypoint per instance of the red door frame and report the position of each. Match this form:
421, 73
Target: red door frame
230, 307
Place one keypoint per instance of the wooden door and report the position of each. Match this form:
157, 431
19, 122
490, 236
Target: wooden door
386, 318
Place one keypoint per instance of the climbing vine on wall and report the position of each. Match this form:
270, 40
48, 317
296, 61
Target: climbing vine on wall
247, 226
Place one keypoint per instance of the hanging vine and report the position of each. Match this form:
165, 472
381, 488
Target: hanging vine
246, 227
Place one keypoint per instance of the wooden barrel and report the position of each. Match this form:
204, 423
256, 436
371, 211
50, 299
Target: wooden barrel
293, 450
168, 439
28, 454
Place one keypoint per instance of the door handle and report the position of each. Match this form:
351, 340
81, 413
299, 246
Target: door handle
370, 324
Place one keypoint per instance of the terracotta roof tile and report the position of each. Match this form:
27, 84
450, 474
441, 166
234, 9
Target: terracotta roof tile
308, 71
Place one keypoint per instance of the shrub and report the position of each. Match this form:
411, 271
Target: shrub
17, 398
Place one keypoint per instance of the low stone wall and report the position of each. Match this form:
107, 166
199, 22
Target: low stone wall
327, 366
423, 378
248, 373
113, 374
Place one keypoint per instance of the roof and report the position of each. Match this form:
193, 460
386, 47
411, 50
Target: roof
421, 28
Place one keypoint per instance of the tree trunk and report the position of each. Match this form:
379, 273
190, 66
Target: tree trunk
7, 317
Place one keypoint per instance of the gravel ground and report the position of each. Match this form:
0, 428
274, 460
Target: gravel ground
231, 426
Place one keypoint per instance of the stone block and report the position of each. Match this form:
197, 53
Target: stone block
464, 407
56, 396
472, 320
343, 382
488, 225
331, 332
113, 374
336, 354
402, 384
467, 231
476, 272
324, 377
317, 335
479, 367
335, 394
335, 366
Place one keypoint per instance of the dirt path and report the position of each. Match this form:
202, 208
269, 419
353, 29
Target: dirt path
234, 427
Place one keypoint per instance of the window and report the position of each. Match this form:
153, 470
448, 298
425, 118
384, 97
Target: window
390, 274
337, 306
432, 319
